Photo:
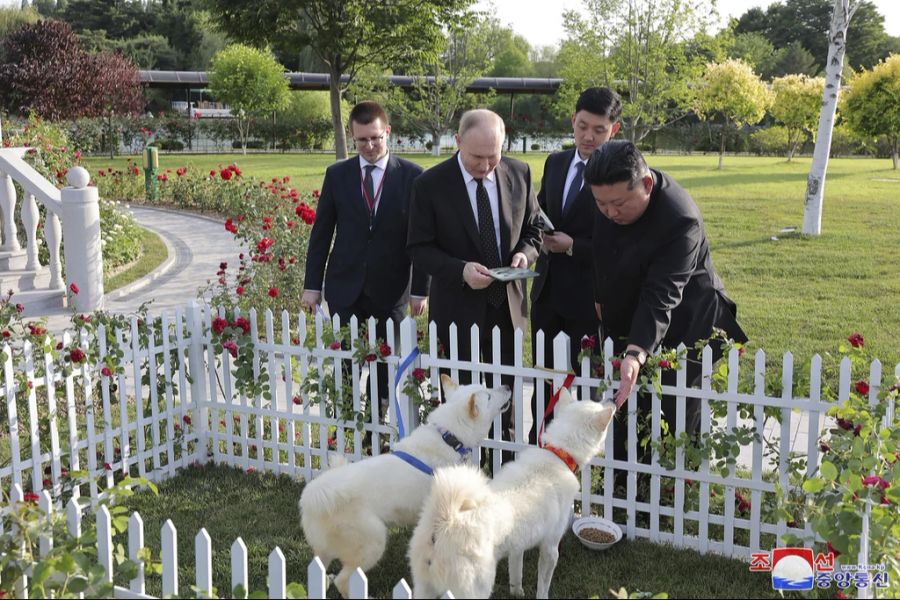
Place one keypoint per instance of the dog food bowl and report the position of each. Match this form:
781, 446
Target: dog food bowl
606, 527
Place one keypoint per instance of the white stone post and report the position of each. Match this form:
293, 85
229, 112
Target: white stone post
81, 233
8, 209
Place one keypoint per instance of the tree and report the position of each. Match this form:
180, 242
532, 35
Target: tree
732, 90
346, 35
872, 105
45, 71
250, 82
13, 18
796, 105
638, 47
756, 50
794, 59
439, 93
115, 90
834, 66
807, 22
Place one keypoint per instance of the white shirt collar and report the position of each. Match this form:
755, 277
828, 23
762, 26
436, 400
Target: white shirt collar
467, 177
381, 163
577, 159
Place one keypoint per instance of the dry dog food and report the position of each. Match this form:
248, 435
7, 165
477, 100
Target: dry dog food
597, 535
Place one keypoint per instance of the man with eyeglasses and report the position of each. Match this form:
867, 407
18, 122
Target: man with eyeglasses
364, 207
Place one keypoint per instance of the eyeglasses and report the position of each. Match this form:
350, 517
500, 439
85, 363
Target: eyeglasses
370, 140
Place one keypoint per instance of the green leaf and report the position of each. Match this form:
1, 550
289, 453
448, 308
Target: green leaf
828, 470
296, 590
814, 485
78, 584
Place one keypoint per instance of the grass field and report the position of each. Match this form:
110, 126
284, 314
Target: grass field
153, 254
225, 501
800, 294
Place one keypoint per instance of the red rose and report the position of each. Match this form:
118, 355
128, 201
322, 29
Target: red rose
616, 363
106, 372
231, 347
243, 324
385, 350
186, 419
230, 226
335, 346
212, 173
371, 357
856, 340
273, 292
862, 387
6, 333
664, 364
588, 341
844, 424
240, 291
264, 244
251, 469
419, 374
107, 467
19, 308
219, 324
226, 174
297, 400
74, 288
181, 171
76, 355
31, 497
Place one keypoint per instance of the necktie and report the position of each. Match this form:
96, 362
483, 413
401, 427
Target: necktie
575, 188
497, 290
370, 190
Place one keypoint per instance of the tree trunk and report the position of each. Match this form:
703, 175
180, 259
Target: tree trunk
815, 183
109, 133
894, 154
722, 147
337, 120
435, 144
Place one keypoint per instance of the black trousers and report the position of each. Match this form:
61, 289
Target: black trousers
364, 308
495, 317
669, 415
546, 318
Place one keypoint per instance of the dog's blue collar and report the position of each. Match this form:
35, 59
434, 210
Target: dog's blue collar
413, 461
452, 441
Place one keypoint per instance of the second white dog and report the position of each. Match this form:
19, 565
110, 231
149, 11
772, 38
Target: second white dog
469, 523
346, 510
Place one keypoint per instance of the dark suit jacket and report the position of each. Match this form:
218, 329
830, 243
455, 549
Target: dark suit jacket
443, 237
655, 279
362, 260
562, 276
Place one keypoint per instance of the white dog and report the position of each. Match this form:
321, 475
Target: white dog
469, 523
346, 511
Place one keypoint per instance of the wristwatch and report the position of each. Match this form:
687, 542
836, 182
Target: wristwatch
640, 356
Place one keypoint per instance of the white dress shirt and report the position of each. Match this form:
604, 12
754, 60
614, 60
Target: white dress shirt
490, 184
377, 176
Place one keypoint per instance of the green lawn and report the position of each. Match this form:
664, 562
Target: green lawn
803, 294
262, 510
153, 254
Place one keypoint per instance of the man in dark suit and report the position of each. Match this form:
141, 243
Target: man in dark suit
560, 300
365, 199
654, 280
471, 213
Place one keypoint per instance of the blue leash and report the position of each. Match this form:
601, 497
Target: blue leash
404, 366
415, 462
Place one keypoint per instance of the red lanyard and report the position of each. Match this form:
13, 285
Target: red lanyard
371, 201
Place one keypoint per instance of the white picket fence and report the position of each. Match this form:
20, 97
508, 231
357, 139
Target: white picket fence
188, 410
316, 582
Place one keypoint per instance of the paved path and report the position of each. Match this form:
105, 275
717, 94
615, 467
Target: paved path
196, 246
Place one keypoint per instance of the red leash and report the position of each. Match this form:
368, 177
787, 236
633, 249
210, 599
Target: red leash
553, 400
